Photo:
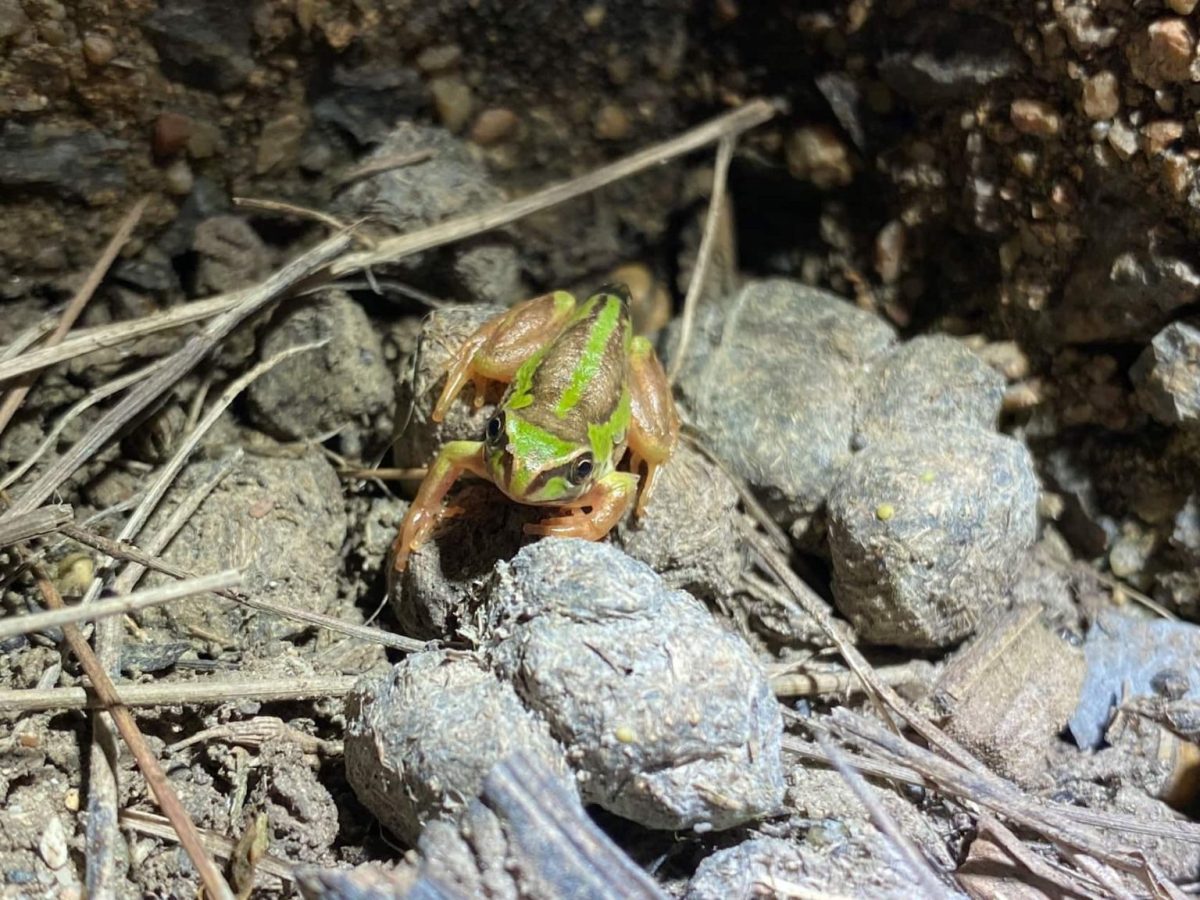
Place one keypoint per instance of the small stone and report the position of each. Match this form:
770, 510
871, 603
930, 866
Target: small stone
1158, 136
1034, 117
593, 16
1183, 7
171, 133
279, 143
53, 844
1123, 139
204, 139
1101, 99
179, 179
439, 58
1026, 162
12, 18
98, 50
889, 251
611, 123
1177, 172
1167, 375
453, 100
493, 125
1162, 54
817, 154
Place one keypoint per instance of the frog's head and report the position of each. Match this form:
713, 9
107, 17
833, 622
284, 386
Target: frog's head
533, 466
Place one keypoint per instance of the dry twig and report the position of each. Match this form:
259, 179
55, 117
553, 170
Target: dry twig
704, 254
35, 523
16, 396
160, 787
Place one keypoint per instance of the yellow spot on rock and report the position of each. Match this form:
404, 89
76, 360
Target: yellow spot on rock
625, 735
884, 511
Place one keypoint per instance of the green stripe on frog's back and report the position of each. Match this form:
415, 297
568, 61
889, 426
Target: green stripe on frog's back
605, 313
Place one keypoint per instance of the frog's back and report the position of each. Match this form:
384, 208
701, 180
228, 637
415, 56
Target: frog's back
581, 377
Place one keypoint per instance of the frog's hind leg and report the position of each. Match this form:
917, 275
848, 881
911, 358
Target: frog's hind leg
654, 421
497, 350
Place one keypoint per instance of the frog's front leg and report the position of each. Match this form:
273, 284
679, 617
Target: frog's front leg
608, 500
502, 344
426, 509
654, 421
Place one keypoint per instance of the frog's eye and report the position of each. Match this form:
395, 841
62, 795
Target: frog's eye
581, 469
495, 428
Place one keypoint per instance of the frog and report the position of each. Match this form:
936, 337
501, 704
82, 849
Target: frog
581, 394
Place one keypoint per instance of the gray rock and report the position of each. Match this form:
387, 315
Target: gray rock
448, 184
204, 44
345, 384
668, 717
693, 546
741, 872
282, 521
772, 387
420, 741
1131, 276
74, 165
1167, 375
945, 57
927, 531
368, 101
207, 200
230, 254
925, 382
417, 438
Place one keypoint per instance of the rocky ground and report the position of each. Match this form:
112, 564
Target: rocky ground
946, 366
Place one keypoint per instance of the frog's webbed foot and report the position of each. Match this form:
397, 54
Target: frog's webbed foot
501, 345
607, 500
426, 510
654, 421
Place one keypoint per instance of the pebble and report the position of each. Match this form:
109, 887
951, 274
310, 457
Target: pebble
1158, 136
1162, 54
279, 143
453, 100
611, 123
1167, 375
439, 58
98, 50
179, 178
1123, 139
12, 18
1101, 99
1183, 7
817, 154
1035, 118
171, 133
493, 125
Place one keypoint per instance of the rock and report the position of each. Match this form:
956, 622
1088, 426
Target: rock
1167, 375
12, 19
1185, 536
76, 165
817, 154
494, 125
771, 385
1125, 654
450, 183
439, 58
1082, 30
420, 741
204, 44
207, 200
281, 521
178, 178
343, 385
231, 255
929, 381
98, 50
1131, 276
1009, 692
944, 57
365, 103
453, 101
742, 872
611, 123
171, 133
1162, 53
668, 717
927, 532
1035, 117
279, 143
694, 547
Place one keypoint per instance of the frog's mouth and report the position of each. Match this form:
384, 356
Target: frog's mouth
546, 487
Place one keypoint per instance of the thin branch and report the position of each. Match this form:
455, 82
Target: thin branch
744, 117
217, 844
26, 339
17, 395
181, 362
157, 780
35, 523
383, 164
302, 212
712, 221
185, 693
116, 606
103, 337
917, 867
821, 684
